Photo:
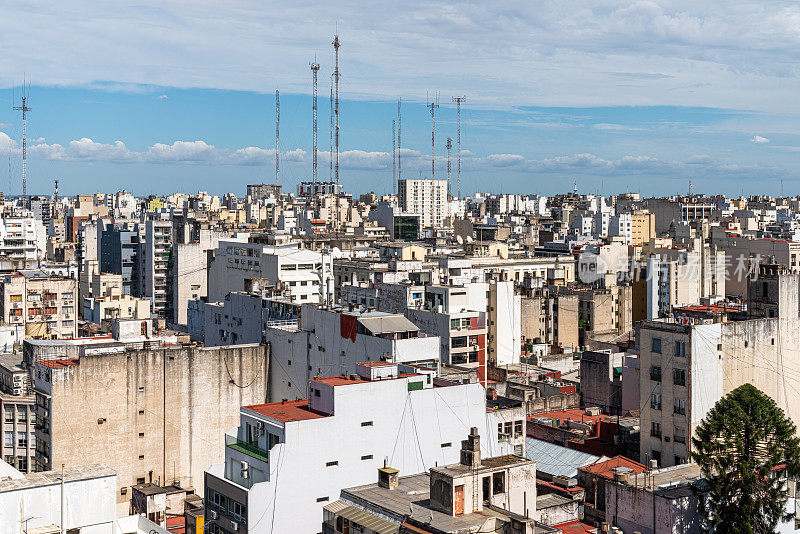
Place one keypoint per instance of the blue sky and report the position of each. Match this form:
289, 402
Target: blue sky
179, 96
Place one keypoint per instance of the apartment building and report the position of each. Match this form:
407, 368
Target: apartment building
156, 267
301, 275
45, 306
686, 368
428, 198
151, 413
287, 460
504, 328
119, 254
551, 316
23, 241
643, 227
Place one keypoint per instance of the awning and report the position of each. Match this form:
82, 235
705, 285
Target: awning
388, 324
362, 518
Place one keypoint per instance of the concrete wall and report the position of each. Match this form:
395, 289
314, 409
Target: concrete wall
163, 412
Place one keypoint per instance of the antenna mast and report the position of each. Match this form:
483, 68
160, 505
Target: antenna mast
314, 71
336, 76
330, 159
449, 146
24, 109
394, 157
277, 137
433, 105
458, 100
399, 140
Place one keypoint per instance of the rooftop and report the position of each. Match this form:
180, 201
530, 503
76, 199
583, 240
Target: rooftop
58, 364
51, 478
286, 412
495, 462
605, 468
576, 414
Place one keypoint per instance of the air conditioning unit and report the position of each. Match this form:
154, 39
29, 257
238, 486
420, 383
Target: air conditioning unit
212, 514
260, 428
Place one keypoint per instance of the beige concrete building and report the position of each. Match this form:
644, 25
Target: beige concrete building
643, 227
151, 415
46, 306
687, 368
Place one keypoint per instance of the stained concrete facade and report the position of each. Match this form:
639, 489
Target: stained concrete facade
151, 415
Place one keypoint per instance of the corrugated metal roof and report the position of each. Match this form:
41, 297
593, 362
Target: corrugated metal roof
362, 518
383, 325
556, 460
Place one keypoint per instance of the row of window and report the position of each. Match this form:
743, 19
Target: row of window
224, 505
678, 375
22, 439
679, 350
678, 437
506, 428
678, 408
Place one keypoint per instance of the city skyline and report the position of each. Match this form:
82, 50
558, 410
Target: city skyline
636, 98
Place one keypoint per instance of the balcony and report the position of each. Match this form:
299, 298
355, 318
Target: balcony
246, 448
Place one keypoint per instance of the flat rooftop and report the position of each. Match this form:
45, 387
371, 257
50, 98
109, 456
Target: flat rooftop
495, 462
51, 478
286, 412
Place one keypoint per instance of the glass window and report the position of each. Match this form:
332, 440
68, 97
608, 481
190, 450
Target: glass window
656, 345
8, 439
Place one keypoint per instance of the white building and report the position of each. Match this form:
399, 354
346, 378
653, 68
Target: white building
426, 197
23, 240
33, 503
288, 460
302, 275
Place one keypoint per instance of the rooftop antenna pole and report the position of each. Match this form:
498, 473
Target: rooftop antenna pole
433, 105
394, 155
10, 179
56, 192
24, 109
690, 188
331, 149
449, 146
458, 100
399, 139
277, 137
336, 76
314, 71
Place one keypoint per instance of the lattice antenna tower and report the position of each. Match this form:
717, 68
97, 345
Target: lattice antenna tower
432, 105
399, 141
449, 146
24, 109
277, 137
314, 71
459, 100
336, 76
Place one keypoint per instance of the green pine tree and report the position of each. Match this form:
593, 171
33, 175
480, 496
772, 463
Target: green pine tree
737, 445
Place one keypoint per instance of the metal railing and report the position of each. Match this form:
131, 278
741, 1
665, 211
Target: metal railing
247, 448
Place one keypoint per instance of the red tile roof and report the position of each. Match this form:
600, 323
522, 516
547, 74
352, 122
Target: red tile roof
58, 364
575, 414
576, 527
376, 364
288, 411
606, 467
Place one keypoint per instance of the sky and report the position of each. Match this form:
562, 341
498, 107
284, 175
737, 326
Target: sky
158, 97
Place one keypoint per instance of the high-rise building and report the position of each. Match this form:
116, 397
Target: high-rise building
428, 198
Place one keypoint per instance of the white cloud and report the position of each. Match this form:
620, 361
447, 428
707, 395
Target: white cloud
732, 54
759, 140
180, 151
85, 148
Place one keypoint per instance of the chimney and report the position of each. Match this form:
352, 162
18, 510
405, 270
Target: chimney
387, 477
471, 449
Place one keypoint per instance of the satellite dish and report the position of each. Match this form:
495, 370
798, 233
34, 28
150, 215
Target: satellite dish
460, 240
470, 239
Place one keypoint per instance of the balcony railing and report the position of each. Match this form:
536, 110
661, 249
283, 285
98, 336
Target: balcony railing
246, 448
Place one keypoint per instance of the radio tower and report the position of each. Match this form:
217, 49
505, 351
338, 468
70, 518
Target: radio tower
458, 100
24, 109
330, 159
399, 140
433, 105
336, 76
394, 152
314, 71
277, 137
449, 146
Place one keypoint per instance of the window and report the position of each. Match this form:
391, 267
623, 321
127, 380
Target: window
446, 445
518, 428
655, 373
655, 401
655, 429
332, 464
8, 439
9, 415
656, 455
680, 349
656, 345
22, 439
366, 423
367, 457
679, 377
322, 499
680, 406
498, 482
680, 435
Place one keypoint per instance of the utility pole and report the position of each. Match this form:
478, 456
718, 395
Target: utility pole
314, 71
336, 76
277, 137
24, 109
459, 100
433, 105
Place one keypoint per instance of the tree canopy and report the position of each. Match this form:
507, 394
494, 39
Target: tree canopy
746, 448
